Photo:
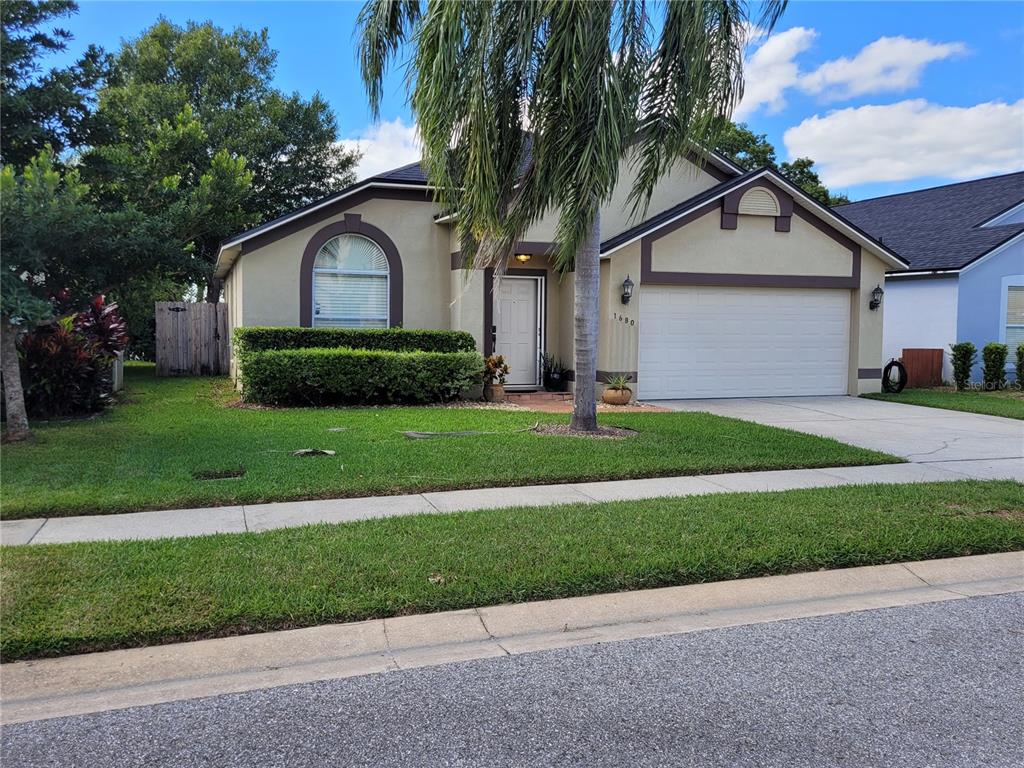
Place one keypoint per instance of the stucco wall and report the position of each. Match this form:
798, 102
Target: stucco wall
681, 183
754, 247
920, 313
466, 309
866, 343
620, 323
981, 300
270, 277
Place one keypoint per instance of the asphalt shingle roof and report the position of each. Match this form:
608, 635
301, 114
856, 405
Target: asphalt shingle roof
940, 228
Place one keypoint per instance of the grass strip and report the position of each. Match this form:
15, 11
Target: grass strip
178, 443
60, 599
1008, 403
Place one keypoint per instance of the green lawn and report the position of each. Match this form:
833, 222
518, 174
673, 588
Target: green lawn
1006, 402
149, 452
60, 599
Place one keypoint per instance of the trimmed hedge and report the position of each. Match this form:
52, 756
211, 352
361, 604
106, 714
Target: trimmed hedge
993, 371
392, 339
356, 376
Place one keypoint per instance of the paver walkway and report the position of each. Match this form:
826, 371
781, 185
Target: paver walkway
173, 523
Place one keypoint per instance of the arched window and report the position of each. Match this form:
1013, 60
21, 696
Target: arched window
350, 284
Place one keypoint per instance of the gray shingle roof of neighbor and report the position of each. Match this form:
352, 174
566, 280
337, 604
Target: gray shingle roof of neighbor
940, 228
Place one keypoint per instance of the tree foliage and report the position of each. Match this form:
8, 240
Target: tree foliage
42, 109
753, 150
59, 249
188, 124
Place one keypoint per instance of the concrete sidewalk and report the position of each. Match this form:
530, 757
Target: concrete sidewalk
35, 690
177, 523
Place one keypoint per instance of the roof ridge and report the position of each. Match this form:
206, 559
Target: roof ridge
928, 189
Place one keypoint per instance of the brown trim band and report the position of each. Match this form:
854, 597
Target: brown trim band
731, 204
869, 373
605, 376
352, 224
650, 276
532, 247
340, 206
489, 330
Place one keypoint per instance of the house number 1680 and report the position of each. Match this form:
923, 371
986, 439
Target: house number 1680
623, 319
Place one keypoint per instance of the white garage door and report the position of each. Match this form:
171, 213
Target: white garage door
742, 342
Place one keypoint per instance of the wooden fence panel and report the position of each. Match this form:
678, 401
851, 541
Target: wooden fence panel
924, 367
191, 339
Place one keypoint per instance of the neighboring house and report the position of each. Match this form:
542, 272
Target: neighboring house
744, 285
965, 246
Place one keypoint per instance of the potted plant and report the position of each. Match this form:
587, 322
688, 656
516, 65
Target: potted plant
617, 391
554, 374
495, 370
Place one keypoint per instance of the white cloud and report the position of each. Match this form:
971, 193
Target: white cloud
772, 69
888, 64
911, 139
385, 145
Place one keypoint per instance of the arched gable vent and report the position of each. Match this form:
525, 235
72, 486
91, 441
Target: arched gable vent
759, 202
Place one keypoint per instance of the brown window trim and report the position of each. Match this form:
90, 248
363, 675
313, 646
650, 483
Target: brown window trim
352, 224
339, 206
731, 205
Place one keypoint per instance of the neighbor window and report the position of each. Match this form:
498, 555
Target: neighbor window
350, 284
1014, 316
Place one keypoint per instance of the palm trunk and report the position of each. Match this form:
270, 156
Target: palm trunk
586, 309
17, 418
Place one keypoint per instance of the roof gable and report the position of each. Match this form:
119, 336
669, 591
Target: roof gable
813, 208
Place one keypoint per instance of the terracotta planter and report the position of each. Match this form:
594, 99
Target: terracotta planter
617, 396
494, 393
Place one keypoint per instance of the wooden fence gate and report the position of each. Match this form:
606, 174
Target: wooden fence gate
191, 339
924, 367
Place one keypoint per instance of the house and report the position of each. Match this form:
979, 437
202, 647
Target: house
965, 246
743, 285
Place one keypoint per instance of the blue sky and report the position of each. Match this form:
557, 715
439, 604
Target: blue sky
885, 96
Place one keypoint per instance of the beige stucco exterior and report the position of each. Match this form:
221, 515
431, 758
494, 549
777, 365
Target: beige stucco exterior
262, 285
683, 181
754, 247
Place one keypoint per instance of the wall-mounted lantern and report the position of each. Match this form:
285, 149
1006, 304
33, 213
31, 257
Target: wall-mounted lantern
876, 298
522, 258
627, 290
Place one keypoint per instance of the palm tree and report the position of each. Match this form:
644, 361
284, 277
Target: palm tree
526, 108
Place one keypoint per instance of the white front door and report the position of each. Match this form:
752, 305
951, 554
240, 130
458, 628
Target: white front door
706, 342
517, 319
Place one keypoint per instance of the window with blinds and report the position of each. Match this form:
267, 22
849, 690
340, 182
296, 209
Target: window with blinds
350, 284
1014, 317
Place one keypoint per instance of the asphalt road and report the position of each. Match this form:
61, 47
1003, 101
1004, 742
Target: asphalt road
929, 685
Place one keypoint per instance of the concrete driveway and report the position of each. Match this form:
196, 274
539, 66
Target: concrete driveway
919, 434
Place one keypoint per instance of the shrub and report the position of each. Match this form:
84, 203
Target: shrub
356, 376
67, 363
1020, 366
993, 372
495, 369
392, 339
619, 382
964, 357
